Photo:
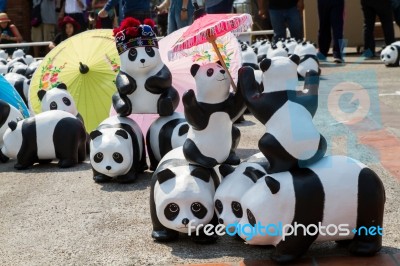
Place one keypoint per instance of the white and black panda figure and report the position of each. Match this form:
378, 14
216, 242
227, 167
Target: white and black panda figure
291, 45
308, 58
182, 194
390, 56
117, 151
210, 113
144, 82
165, 134
249, 57
8, 113
291, 139
263, 49
32, 68
44, 137
326, 201
20, 83
235, 182
276, 51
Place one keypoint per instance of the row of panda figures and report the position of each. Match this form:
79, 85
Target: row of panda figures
198, 179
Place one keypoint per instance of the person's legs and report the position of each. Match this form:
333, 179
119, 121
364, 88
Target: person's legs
369, 24
278, 24
337, 21
140, 15
172, 19
384, 12
396, 15
295, 23
49, 31
37, 36
223, 7
324, 32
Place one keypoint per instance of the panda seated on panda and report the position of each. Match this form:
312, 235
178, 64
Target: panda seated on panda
144, 82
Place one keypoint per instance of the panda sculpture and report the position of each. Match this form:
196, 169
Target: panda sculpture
44, 137
262, 50
165, 134
249, 57
275, 51
32, 68
144, 82
182, 194
308, 58
20, 83
117, 151
235, 182
329, 199
390, 55
291, 138
8, 113
210, 113
291, 45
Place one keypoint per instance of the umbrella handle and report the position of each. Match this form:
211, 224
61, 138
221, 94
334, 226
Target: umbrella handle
211, 40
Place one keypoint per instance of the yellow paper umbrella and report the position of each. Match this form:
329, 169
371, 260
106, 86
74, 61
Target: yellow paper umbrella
88, 64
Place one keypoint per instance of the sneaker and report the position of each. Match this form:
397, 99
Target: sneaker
321, 57
338, 60
368, 54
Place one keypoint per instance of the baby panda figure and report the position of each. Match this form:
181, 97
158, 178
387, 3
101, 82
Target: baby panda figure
8, 113
236, 182
49, 135
144, 82
308, 58
390, 56
262, 50
20, 83
165, 134
181, 199
275, 51
324, 202
210, 113
249, 58
291, 139
117, 151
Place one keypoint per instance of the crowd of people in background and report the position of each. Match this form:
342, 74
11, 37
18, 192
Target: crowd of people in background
64, 18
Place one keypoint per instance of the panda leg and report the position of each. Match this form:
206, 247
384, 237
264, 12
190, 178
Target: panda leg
82, 151
153, 161
194, 156
318, 155
3, 158
121, 104
279, 159
371, 201
160, 233
233, 159
168, 102
202, 238
100, 178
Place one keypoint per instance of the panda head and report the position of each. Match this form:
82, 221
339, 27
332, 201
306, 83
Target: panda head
280, 73
111, 151
184, 195
140, 60
291, 44
390, 55
305, 48
248, 55
18, 53
12, 139
275, 51
3, 54
57, 98
229, 192
212, 83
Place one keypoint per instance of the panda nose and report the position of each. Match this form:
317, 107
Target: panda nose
142, 60
185, 221
108, 167
222, 71
220, 221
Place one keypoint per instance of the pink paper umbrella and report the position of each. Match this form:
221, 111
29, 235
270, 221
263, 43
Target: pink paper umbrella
205, 30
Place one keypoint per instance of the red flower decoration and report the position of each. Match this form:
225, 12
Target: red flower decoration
150, 22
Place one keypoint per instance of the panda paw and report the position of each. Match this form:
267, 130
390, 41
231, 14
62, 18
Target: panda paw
101, 178
3, 158
232, 159
364, 248
19, 166
66, 163
164, 235
165, 107
283, 258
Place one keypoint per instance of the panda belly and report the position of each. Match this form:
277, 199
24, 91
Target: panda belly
293, 127
143, 101
14, 115
215, 140
309, 64
339, 177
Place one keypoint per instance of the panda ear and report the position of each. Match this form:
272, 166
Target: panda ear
201, 173
62, 86
183, 130
219, 62
225, 169
253, 173
265, 64
391, 48
121, 133
41, 94
165, 175
94, 134
295, 58
194, 69
272, 184
12, 125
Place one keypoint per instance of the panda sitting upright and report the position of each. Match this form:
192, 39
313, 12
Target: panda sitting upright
210, 114
291, 139
144, 82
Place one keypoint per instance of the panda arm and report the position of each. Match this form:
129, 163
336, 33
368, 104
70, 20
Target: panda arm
308, 97
159, 82
194, 114
125, 83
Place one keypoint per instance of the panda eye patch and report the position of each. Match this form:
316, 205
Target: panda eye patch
171, 211
219, 206
198, 210
98, 157
150, 51
251, 218
237, 209
118, 157
53, 106
210, 72
132, 54
66, 101
388, 56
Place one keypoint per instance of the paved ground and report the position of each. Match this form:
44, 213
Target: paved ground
51, 216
